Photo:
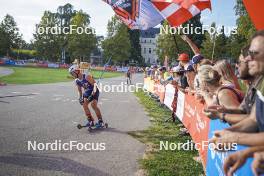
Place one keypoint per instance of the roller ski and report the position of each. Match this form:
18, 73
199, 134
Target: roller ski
91, 126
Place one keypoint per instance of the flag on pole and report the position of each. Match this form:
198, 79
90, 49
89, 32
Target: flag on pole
177, 12
136, 14
144, 14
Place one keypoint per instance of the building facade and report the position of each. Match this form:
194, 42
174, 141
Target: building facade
148, 42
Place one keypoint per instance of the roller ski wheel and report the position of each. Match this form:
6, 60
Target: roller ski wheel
89, 125
106, 125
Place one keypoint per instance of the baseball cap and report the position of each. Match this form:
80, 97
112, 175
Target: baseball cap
196, 59
183, 57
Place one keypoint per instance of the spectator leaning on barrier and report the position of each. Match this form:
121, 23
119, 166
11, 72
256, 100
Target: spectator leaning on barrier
190, 75
228, 77
212, 90
238, 159
255, 121
233, 116
250, 131
179, 78
184, 60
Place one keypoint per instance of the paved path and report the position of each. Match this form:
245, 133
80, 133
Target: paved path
5, 71
48, 112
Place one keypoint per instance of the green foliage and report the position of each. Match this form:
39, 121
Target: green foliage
164, 162
78, 44
134, 36
48, 45
9, 35
215, 45
230, 46
166, 45
81, 45
196, 22
117, 45
5, 42
25, 75
245, 26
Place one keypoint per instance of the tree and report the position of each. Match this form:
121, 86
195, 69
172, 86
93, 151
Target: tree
135, 47
117, 44
166, 45
48, 45
245, 27
196, 23
81, 45
9, 35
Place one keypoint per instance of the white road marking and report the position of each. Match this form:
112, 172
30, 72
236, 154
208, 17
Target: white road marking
66, 100
16, 92
30, 97
56, 99
58, 95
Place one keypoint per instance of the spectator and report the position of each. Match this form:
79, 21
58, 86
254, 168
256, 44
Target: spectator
179, 78
228, 77
236, 160
233, 116
184, 60
190, 75
250, 131
213, 92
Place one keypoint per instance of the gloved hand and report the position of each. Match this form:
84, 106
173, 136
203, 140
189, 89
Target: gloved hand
90, 98
81, 101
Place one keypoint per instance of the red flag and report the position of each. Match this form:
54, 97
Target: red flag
179, 11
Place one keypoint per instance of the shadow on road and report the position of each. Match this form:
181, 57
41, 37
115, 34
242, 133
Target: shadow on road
110, 130
51, 163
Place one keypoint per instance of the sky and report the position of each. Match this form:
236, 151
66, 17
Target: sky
27, 13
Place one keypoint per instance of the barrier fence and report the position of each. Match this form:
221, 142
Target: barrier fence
57, 65
190, 112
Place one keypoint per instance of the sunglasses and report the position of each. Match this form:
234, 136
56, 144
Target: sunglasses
252, 54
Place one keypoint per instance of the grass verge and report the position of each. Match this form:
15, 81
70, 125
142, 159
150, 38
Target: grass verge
158, 162
26, 75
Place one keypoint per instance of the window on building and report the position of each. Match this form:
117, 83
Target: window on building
145, 41
145, 50
149, 50
150, 41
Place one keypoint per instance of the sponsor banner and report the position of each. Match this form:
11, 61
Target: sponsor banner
196, 123
31, 65
169, 95
20, 63
159, 90
180, 105
64, 66
43, 65
215, 160
10, 62
122, 69
53, 65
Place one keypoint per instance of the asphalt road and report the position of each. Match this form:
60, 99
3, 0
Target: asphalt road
48, 112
